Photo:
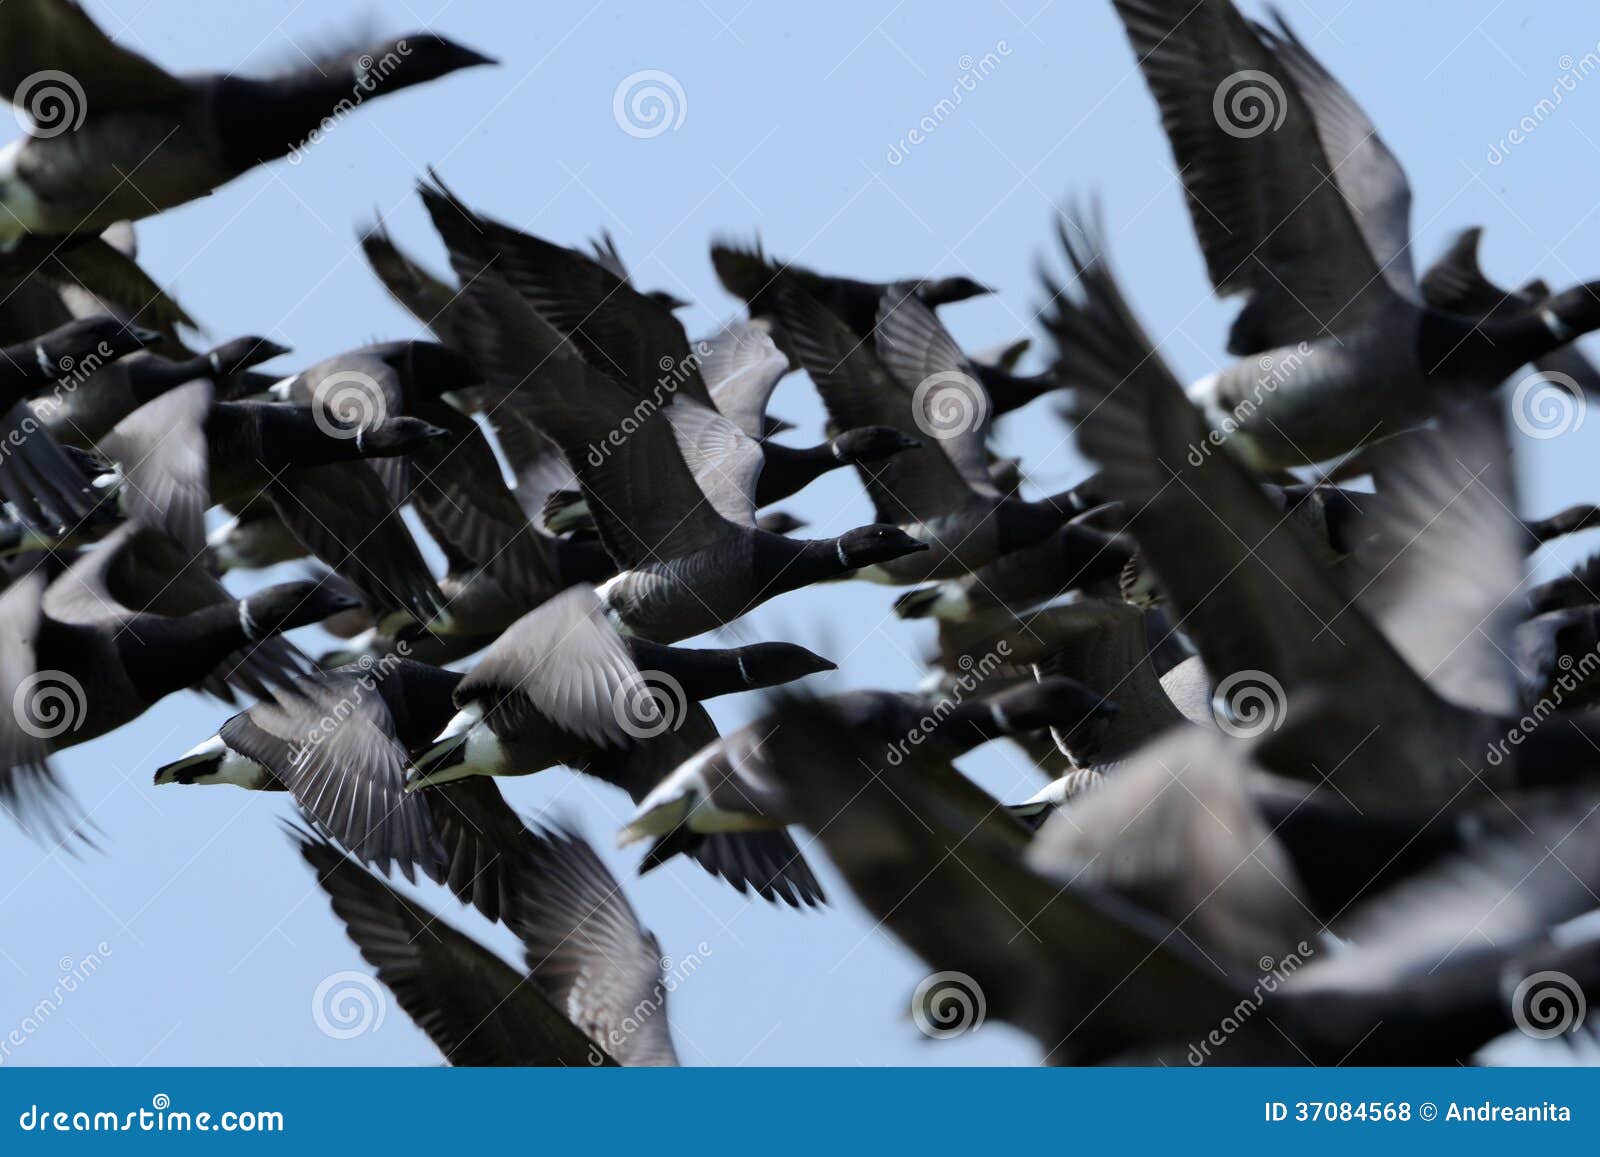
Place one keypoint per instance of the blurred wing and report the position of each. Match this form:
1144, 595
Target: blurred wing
476, 1008
1275, 211
586, 948
57, 35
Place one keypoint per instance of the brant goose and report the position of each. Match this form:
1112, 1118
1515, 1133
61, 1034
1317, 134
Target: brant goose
1095, 975
126, 625
1311, 222
944, 496
112, 392
45, 485
727, 785
183, 452
141, 140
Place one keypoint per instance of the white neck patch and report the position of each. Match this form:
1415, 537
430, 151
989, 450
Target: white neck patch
43, 358
999, 716
246, 623
843, 561
743, 674
216, 362
1559, 329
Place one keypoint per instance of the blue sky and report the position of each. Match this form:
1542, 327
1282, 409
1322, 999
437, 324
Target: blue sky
795, 123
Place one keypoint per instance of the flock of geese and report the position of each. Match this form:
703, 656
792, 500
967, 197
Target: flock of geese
1277, 654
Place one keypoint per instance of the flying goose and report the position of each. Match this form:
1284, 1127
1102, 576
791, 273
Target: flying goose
753, 277
1405, 655
726, 786
1456, 283
593, 992
340, 741
562, 687
126, 625
561, 683
943, 496
139, 140
45, 486
1310, 222
673, 498
1099, 643
634, 339
1093, 975
112, 392
1076, 557
184, 452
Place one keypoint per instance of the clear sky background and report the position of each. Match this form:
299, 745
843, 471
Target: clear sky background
215, 937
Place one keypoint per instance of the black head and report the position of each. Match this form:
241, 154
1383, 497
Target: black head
289, 605
779, 522
663, 298
417, 58
945, 290
1577, 309
435, 369
872, 444
869, 545
398, 436
242, 353
78, 345
1053, 702
771, 664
